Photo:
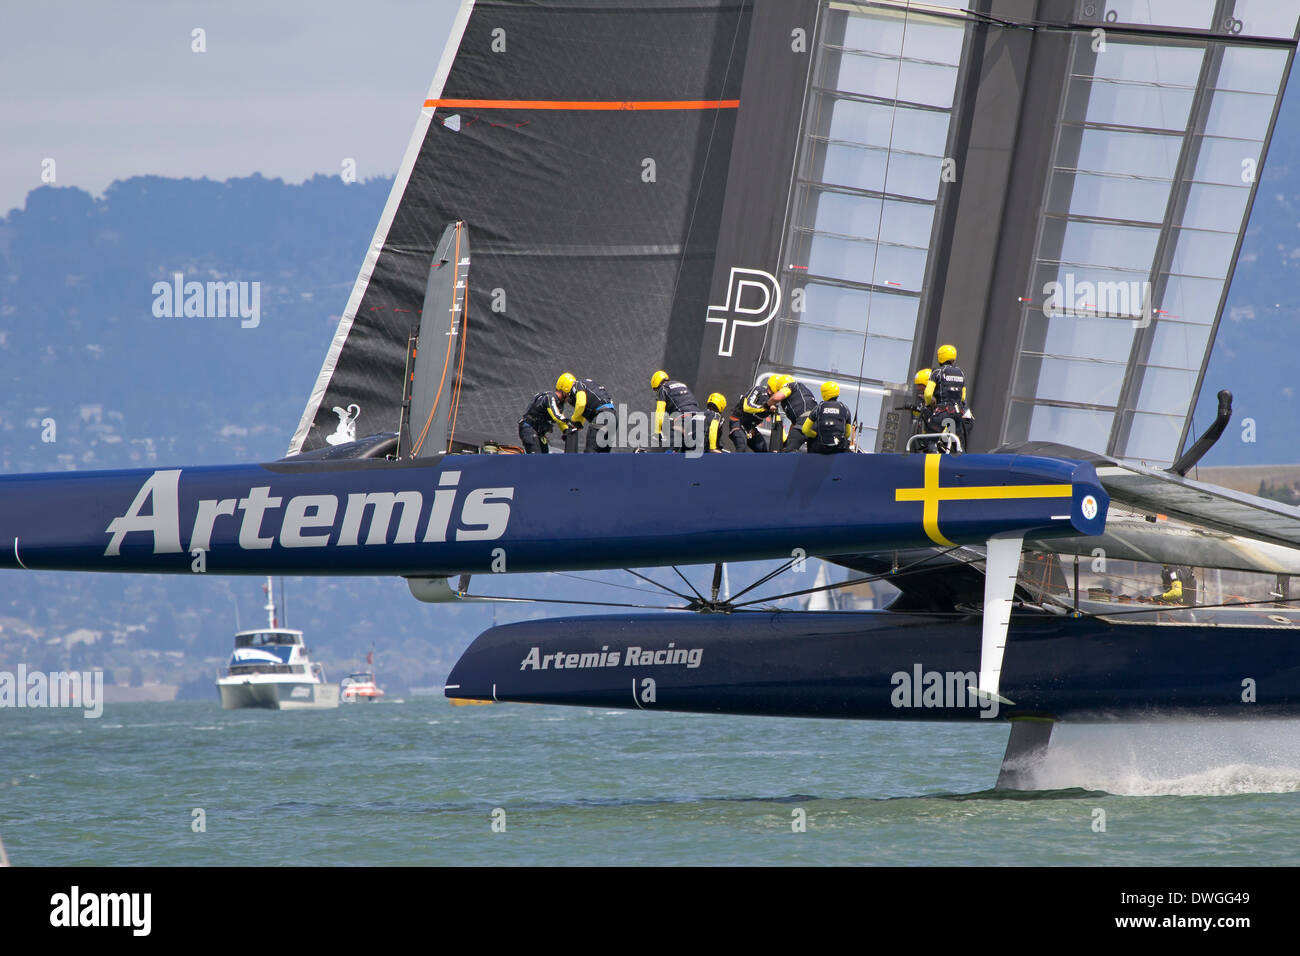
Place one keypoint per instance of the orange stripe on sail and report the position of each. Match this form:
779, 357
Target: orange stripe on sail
584, 104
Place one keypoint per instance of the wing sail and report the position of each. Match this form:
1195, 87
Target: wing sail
440, 352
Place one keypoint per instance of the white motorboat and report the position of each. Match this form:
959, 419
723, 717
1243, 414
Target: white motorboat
270, 668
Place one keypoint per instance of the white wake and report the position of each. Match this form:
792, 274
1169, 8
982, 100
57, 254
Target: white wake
1175, 758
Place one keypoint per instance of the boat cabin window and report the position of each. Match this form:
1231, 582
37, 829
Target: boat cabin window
265, 638
260, 668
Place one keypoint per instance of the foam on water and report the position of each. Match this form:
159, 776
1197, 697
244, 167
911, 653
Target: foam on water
1175, 758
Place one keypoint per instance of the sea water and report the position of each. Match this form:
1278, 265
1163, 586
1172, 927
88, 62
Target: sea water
425, 783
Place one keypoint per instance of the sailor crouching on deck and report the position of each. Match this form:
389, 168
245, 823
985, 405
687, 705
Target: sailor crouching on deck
676, 401
829, 429
591, 406
797, 401
750, 411
705, 429
535, 426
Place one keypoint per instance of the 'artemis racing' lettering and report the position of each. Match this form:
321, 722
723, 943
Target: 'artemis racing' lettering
311, 521
633, 657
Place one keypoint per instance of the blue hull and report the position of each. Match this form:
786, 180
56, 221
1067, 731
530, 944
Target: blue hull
492, 513
884, 665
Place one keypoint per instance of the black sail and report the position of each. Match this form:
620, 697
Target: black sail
589, 147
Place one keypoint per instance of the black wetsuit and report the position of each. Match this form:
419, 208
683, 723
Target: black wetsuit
830, 422
797, 407
698, 432
535, 425
949, 401
747, 414
597, 413
679, 405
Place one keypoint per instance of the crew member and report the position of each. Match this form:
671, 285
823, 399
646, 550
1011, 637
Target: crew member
919, 418
591, 406
749, 412
829, 429
945, 397
678, 402
919, 383
1179, 585
797, 401
707, 427
535, 427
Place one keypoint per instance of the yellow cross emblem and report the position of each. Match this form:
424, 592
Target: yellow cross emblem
932, 494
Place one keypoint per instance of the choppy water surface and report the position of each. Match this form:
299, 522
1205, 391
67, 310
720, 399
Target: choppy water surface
418, 783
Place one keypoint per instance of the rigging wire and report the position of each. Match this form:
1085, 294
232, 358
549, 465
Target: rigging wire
637, 574
908, 569
533, 600
767, 577
688, 583
608, 584
913, 568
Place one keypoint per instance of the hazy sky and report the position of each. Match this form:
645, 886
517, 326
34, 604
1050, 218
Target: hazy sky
291, 88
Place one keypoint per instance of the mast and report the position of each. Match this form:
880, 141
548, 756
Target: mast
270, 603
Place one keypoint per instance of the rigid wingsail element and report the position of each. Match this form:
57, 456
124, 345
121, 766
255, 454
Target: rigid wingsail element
434, 399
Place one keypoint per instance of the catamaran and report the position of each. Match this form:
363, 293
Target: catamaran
728, 190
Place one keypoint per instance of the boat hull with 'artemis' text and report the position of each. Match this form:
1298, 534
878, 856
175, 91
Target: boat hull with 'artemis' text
510, 513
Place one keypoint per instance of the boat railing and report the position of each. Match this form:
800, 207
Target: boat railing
944, 438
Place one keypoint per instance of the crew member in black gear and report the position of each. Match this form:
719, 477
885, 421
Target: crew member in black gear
705, 429
797, 401
920, 414
542, 413
678, 403
945, 397
749, 412
829, 429
593, 407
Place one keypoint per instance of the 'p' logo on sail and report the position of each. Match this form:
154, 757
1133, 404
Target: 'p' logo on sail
753, 297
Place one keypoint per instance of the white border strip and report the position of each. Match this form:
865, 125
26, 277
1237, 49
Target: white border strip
381, 231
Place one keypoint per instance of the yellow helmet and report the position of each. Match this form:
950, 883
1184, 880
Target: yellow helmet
718, 401
830, 390
565, 382
657, 378
947, 353
922, 377
774, 381
784, 380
